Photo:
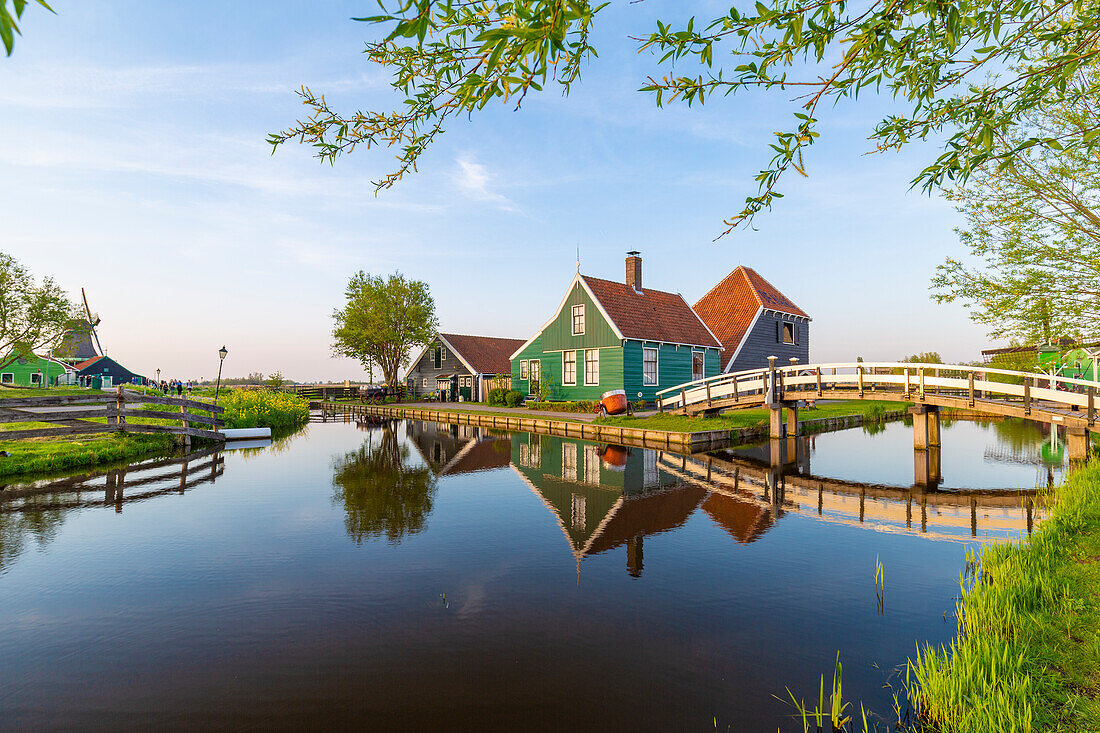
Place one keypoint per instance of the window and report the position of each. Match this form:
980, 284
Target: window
592, 366
569, 367
36, 378
523, 369
569, 461
787, 333
578, 320
649, 367
7, 378
577, 511
697, 359
534, 370
442, 353
530, 453
438, 357
650, 477
592, 464
425, 382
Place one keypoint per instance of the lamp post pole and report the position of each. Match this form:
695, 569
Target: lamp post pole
221, 354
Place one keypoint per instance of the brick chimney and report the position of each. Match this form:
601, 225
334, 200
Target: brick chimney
634, 270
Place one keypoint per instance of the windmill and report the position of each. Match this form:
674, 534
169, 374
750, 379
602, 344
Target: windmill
93, 320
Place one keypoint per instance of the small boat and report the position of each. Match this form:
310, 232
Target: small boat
614, 402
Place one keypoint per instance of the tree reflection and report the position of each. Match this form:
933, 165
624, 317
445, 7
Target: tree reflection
382, 494
16, 527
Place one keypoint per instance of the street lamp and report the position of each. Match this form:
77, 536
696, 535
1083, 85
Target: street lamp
221, 355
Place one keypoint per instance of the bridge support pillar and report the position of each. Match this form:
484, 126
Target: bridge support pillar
792, 420
1077, 442
926, 426
926, 468
783, 452
776, 422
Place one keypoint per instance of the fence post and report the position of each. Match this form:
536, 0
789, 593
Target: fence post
906, 391
818, 370
708, 394
859, 378
186, 437
971, 388
1092, 406
736, 397
683, 400
920, 376
1027, 396
118, 421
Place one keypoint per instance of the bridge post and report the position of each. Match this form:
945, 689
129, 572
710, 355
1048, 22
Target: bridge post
770, 393
1077, 441
792, 420
926, 426
775, 423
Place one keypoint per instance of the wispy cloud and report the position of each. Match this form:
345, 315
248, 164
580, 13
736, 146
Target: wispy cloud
473, 179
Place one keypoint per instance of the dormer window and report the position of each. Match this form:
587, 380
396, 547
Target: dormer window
578, 320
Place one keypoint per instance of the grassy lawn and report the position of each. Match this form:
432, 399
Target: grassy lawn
7, 393
53, 455
750, 418
1027, 656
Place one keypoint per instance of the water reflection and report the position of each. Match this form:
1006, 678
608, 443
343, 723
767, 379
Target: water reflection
383, 492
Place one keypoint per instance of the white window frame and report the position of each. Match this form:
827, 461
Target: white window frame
7, 378
523, 369
592, 464
573, 323
565, 373
702, 353
656, 366
596, 361
425, 382
569, 461
36, 377
534, 381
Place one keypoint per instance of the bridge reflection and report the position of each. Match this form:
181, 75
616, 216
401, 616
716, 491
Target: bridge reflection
606, 497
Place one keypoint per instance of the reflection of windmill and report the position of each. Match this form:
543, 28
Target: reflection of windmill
77, 344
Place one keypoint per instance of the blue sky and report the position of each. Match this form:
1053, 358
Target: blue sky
132, 141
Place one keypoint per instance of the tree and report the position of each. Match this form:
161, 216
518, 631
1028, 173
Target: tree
925, 357
275, 380
34, 315
383, 320
8, 27
1033, 228
254, 378
964, 71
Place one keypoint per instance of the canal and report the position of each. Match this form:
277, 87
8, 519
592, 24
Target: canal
404, 575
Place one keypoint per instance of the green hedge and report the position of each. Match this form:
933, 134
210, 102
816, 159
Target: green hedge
578, 406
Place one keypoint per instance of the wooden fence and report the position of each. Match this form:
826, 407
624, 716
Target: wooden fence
105, 413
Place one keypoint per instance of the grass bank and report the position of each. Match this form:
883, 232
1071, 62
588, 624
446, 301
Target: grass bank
53, 455
1027, 656
737, 419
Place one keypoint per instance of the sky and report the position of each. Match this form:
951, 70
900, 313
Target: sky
135, 165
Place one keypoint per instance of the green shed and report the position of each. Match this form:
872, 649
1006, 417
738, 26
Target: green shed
608, 335
34, 371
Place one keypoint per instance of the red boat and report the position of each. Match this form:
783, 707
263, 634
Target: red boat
614, 402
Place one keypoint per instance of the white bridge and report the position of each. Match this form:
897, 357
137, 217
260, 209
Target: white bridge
997, 392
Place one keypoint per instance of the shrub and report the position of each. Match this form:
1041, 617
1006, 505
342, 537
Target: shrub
577, 406
514, 398
639, 404
497, 396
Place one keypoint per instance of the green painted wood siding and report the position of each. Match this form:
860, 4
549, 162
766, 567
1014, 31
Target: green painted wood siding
673, 367
611, 372
21, 372
558, 335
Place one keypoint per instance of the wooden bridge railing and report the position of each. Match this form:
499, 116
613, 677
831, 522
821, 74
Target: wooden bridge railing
110, 412
904, 381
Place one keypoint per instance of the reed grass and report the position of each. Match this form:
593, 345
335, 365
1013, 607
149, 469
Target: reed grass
1027, 655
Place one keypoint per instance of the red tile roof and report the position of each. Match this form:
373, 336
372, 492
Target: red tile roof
87, 363
486, 354
651, 315
731, 305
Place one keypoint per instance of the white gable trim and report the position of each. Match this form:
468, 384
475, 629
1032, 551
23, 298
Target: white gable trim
455, 352
716, 339
557, 312
759, 312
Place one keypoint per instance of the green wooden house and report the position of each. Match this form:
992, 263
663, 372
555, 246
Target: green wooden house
36, 371
608, 335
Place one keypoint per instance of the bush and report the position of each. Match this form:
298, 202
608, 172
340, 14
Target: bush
497, 396
577, 406
514, 398
639, 404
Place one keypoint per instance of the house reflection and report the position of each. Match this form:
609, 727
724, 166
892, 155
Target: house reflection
609, 496
456, 449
